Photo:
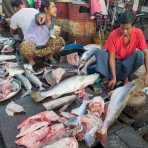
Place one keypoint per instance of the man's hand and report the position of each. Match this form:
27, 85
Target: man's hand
41, 19
112, 83
146, 79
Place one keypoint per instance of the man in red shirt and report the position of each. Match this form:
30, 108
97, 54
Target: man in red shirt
126, 51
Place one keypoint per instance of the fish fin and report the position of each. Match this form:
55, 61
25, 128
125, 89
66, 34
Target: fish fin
36, 96
102, 138
28, 92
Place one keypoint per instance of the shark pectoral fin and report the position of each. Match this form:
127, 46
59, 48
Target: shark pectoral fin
36, 96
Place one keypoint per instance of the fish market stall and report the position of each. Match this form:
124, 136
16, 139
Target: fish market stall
57, 102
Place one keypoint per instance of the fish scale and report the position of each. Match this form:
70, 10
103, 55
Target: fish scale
119, 100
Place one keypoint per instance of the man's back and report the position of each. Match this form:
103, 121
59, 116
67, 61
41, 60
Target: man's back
23, 18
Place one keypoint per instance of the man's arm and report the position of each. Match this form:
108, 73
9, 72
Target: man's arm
112, 65
14, 28
40, 19
17, 34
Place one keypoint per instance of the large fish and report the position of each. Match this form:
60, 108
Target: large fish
119, 100
7, 57
26, 83
59, 102
69, 85
67, 142
34, 79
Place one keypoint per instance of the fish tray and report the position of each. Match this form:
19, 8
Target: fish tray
17, 85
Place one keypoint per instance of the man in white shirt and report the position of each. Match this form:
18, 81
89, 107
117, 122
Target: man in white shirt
36, 28
23, 17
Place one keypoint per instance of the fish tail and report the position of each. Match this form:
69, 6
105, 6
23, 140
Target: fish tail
102, 137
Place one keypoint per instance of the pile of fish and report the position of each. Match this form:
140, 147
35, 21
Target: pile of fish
85, 122
58, 88
67, 86
118, 101
26, 76
48, 129
6, 44
39, 129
